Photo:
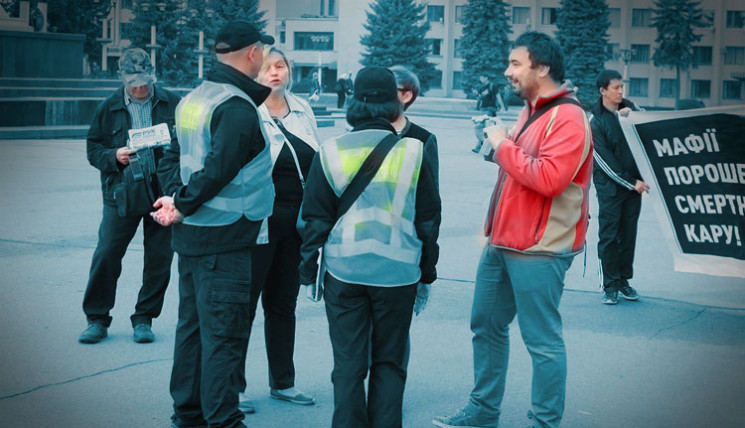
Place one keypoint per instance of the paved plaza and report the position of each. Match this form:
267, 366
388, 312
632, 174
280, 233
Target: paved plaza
676, 358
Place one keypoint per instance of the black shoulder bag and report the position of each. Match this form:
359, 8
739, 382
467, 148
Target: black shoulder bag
135, 195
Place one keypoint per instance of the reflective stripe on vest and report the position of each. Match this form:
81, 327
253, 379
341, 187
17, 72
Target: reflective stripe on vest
379, 226
251, 192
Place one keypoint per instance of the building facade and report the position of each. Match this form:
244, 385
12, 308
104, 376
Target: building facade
325, 35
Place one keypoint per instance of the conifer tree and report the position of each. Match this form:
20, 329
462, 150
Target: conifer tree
210, 15
178, 30
396, 35
79, 17
485, 44
676, 21
583, 37
175, 62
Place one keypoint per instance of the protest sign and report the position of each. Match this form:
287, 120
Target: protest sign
694, 162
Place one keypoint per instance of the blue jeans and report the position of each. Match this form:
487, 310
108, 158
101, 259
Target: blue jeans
510, 283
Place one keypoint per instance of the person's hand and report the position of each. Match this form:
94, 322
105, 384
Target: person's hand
122, 155
313, 292
496, 133
422, 297
624, 111
166, 213
641, 187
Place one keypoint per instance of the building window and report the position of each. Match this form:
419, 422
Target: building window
734, 55
437, 80
638, 87
332, 7
700, 88
667, 88
436, 13
735, 19
435, 46
520, 15
702, 55
458, 80
548, 16
282, 37
640, 53
732, 90
459, 10
613, 50
641, 17
614, 16
314, 41
457, 49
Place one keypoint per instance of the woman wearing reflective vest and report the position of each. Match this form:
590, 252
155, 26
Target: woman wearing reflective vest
293, 141
376, 254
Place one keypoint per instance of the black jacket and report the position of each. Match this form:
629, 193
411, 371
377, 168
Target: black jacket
236, 140
430, 145
614, 168
320, 204
109, 132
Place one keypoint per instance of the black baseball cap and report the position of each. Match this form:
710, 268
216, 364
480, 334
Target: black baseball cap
375, 85
238, 34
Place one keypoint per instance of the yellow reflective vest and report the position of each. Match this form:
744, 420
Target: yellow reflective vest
375, 242
251, 192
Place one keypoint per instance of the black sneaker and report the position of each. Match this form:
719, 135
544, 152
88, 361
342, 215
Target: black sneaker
610, 296
143, 333
95, 333
629, 293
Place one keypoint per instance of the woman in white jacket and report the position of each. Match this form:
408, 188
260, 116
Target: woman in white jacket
293, 139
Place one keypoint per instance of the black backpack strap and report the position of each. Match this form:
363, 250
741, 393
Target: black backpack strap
544, 108
366, 173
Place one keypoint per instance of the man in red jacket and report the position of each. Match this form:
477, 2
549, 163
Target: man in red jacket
536, 223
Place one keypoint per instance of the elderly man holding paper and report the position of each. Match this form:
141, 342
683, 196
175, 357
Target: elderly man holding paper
125, 144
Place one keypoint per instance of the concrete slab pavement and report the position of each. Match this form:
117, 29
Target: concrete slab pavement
676, 358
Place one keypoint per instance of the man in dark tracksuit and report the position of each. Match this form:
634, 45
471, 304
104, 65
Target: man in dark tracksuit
219, 174
137, 104
619, 187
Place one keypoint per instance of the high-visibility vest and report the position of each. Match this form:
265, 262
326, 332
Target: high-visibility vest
375, 242
251, 192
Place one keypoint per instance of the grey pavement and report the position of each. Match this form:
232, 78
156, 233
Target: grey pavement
676, 358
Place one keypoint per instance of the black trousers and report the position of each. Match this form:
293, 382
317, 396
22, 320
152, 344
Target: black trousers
341, 99
276, 279
211, 339
352, 310
114, 235
617, 219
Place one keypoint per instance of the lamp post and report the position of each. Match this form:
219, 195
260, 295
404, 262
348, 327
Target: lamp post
626, 55
201, 51
103, 13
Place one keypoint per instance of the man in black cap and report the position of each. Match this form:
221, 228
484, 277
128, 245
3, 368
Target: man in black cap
220, 176
380, 255
138, 104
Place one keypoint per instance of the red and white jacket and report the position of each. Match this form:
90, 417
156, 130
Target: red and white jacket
540, 202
